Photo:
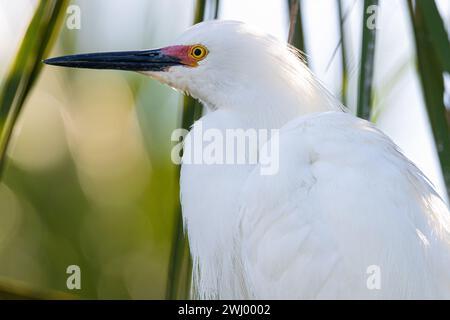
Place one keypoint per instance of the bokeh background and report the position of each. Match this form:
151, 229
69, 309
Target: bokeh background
89, 180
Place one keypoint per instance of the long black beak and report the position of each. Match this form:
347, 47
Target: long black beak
145, 60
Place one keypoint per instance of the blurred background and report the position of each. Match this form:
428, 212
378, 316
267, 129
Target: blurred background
88, 179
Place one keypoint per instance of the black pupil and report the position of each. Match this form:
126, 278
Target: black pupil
197, 52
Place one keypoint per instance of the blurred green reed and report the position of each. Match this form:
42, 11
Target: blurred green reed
296, 35
180, 264
365, 89
38, 41
344, 71
14, 290
433, 58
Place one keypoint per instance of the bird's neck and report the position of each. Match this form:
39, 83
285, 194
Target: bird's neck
210, 193
271, 107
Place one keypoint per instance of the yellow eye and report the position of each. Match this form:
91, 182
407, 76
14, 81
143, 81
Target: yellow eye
198, 52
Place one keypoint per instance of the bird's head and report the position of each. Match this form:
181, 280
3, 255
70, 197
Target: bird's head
222, 63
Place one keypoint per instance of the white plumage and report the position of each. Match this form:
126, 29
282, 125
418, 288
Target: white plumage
347, 215
345, 197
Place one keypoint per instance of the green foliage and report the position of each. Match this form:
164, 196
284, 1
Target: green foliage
433, 57
344, 71
296, 34
367, 64
13, 290
37, 42
180, 265
19, 81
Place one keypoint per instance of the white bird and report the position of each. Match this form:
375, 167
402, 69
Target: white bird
347, 215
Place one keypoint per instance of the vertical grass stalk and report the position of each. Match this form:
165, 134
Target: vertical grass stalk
344, 71
367, 60
180, 265
432, 49
25, 69
296, 35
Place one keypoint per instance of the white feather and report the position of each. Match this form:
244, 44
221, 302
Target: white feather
344, 199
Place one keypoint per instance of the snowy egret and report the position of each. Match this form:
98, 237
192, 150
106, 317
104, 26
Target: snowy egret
347, 215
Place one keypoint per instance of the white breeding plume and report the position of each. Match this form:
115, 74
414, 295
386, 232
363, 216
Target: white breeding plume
346, 215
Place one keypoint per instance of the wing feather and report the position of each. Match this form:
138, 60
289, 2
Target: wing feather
345, 200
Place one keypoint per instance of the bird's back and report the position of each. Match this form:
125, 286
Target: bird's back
346, 216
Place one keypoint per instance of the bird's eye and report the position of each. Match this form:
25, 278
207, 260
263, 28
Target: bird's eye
198, 52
